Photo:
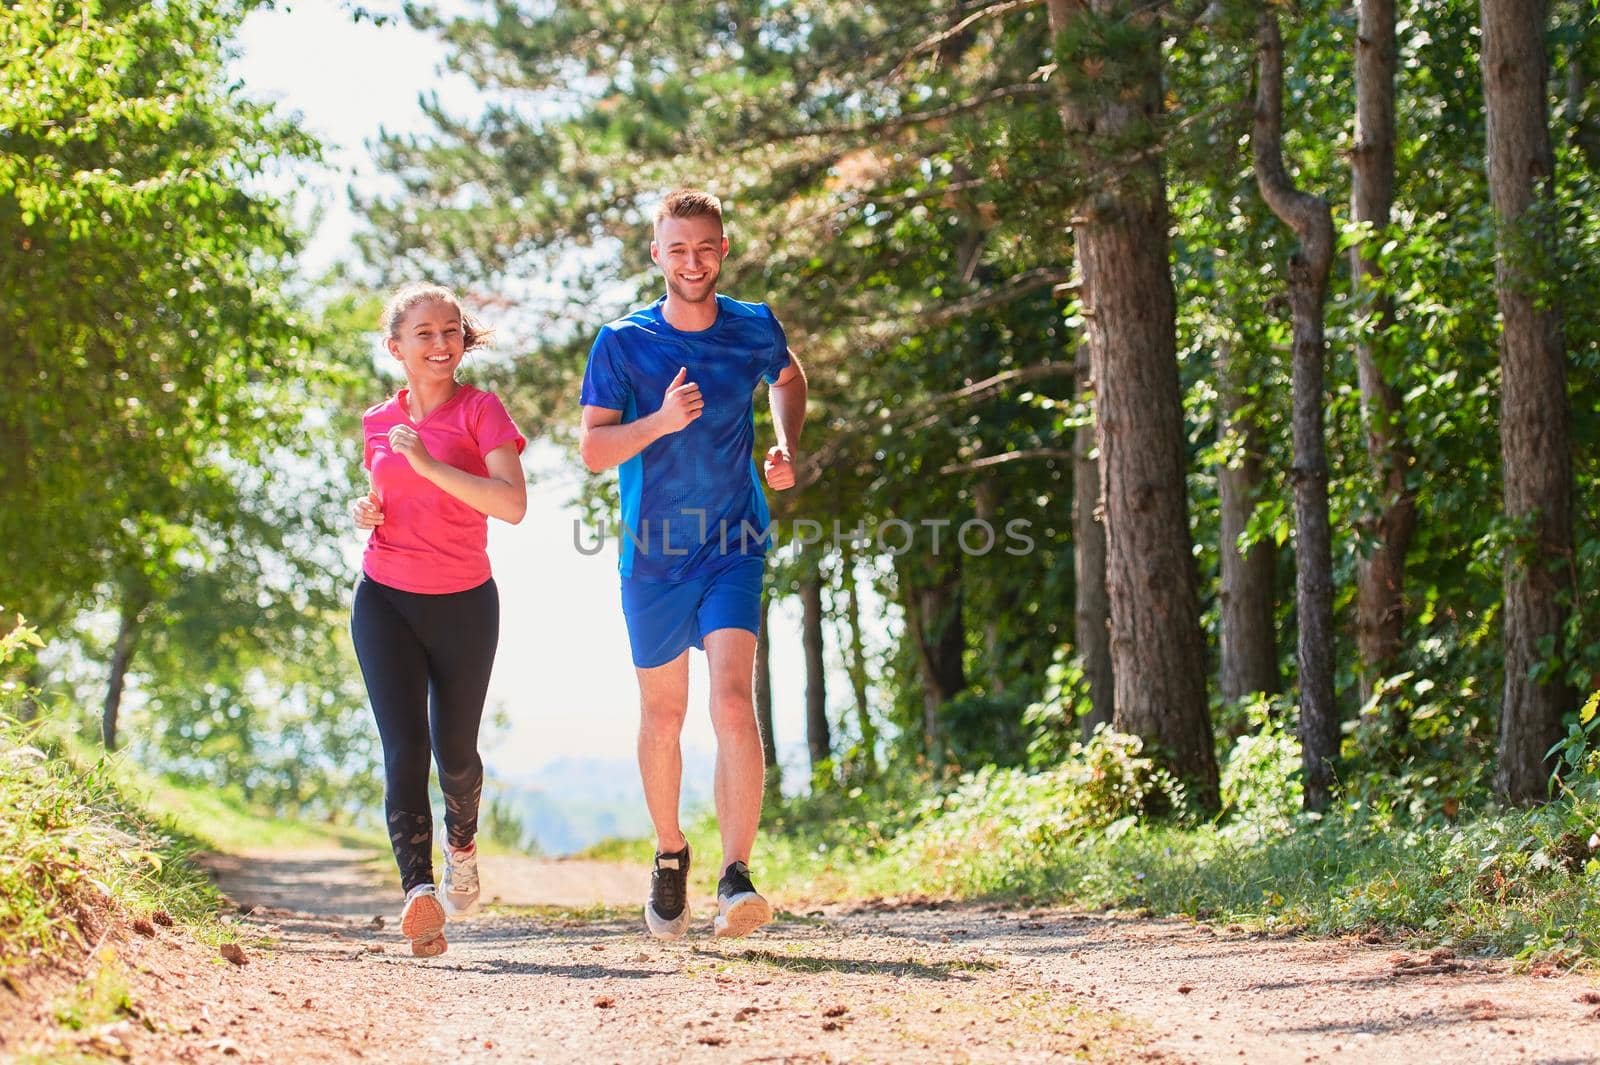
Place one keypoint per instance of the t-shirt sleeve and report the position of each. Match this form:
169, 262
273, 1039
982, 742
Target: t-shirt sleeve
495, 426
778, 359
605, 379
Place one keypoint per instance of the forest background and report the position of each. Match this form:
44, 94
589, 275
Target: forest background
1268, 320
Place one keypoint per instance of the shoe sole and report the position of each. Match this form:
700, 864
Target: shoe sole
743, 916
423, 924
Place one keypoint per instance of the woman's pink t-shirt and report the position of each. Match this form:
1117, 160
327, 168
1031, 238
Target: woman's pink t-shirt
430, 541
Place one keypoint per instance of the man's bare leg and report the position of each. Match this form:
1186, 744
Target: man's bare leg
663, 704
740, 768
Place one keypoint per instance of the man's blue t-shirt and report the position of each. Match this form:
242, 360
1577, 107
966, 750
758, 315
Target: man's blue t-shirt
692, 501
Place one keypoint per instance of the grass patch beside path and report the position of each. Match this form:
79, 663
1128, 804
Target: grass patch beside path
1517, 882
76, 850
1506, 881
227, 823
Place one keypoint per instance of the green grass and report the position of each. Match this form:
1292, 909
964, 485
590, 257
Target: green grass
1519, 882
1504, 881
74, 847
228, 823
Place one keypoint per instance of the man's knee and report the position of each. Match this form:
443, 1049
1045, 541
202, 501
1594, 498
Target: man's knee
733, 713
662, 714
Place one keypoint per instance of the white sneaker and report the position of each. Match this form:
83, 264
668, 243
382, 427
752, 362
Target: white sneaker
422, 922
460, 881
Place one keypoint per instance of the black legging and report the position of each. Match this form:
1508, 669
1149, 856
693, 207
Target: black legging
426, 660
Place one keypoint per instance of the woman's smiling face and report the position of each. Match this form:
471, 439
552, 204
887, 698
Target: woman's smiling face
429, 341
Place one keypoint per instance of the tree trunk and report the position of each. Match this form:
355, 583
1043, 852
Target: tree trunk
1157, 649
1582, 115
1380, 574
857, 667
763, 698
128, 628
986, 508
935, 623
1535, 443
818, 743
1312, 221
1092, 628
1248, 631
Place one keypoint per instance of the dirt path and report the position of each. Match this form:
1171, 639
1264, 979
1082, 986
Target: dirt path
871, 983
343, 883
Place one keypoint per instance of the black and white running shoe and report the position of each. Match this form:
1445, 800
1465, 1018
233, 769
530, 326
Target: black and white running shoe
740, 908
666, 913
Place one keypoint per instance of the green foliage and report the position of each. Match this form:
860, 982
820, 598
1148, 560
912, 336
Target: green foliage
174, 488
152, 341
900, 185
1420, 748
74, 851
1052, 721
1260, 777
1519, 882
1103, 787
223, 818
1578, 753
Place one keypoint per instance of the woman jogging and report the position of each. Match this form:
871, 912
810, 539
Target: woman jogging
443, 457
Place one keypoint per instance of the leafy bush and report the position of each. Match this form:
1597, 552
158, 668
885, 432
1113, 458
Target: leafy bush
1260, 777
1420, 748
1052, 721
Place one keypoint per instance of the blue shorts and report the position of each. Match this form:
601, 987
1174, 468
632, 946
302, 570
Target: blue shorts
665, 619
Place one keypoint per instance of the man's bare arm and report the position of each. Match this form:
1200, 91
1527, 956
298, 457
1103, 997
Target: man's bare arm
604, 441
788, 398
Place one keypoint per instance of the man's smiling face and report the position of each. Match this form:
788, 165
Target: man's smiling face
690, 252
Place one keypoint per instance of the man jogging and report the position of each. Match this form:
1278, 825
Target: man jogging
668, 397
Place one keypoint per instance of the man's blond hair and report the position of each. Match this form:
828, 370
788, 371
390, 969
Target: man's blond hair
689, 203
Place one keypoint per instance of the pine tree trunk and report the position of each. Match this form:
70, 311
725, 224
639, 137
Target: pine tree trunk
1535, 442
935, 624
128, 628
763, 699
1157, 649
1312, 221
1380, 575
1583, 116
1092, 621
818, 742
1248, 641
986, 508
858, 667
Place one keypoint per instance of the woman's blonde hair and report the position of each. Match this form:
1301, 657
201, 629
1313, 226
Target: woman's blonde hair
474, 334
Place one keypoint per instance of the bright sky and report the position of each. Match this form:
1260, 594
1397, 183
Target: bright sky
563, 677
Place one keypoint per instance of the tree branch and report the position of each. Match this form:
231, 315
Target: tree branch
916, 118
927, 412
1020, 285
1009, 456
989, 11
1306, 214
